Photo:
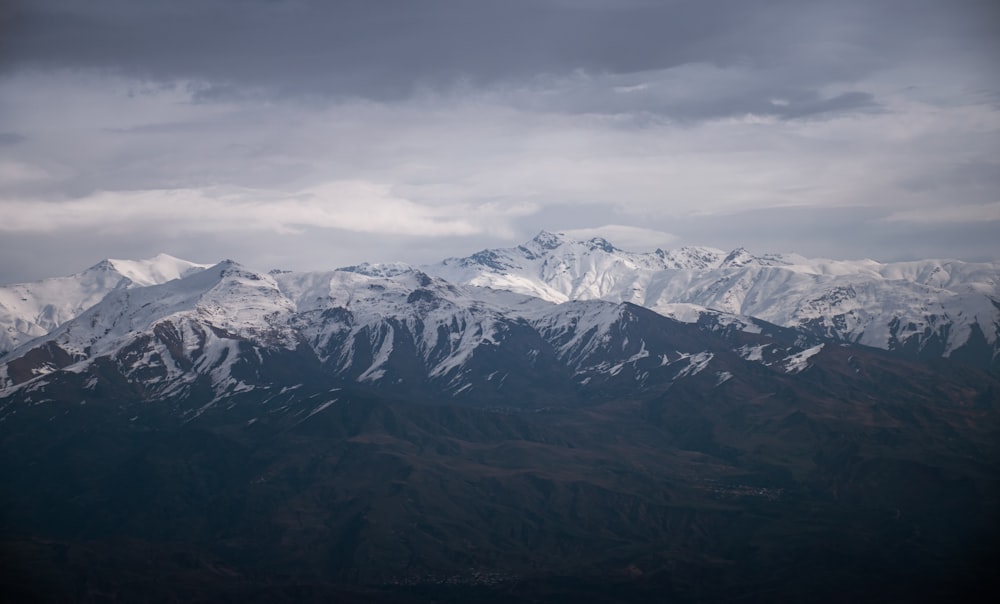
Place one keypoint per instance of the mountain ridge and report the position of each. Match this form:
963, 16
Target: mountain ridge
925, 308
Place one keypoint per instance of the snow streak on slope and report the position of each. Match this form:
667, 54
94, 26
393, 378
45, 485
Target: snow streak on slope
343, 315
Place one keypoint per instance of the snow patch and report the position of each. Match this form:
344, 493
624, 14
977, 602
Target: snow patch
320, 408
752, 353
798, 362
375, 371
696, 363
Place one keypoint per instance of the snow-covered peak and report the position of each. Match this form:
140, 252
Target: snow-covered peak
741, 257
551, 266
738, 257
600, 243
158, 269
545, 243
29, 310
226, 297
545, 240
690, 257
379, 269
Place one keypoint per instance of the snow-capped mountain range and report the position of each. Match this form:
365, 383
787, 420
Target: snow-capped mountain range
222, 331
927, 307
571, 314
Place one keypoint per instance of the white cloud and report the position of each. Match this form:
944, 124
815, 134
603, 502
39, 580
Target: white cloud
107, 155
631, 88
349, 205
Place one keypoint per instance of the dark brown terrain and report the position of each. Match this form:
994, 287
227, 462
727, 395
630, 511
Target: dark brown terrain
865, 478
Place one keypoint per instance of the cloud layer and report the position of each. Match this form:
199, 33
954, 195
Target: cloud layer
435, 128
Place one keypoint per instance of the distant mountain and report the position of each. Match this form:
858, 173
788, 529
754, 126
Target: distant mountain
30, 310
926, 308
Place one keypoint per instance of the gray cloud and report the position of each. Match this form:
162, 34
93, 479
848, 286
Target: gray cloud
687, 94
310, 134
386, 50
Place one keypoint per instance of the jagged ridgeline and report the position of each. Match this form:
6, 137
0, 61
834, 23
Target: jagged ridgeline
558, 421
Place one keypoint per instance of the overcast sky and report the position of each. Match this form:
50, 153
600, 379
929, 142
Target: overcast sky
306, 134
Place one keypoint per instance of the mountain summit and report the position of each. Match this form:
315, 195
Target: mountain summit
30, 310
